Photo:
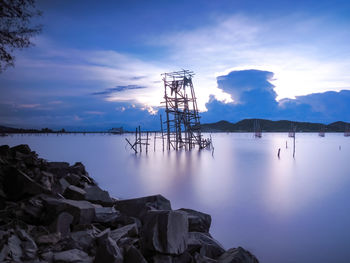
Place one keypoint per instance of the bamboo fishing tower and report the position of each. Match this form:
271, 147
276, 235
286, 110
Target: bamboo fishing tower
182, 125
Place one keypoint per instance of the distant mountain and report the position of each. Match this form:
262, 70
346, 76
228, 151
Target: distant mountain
247, 125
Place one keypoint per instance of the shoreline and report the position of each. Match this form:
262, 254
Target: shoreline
55, 212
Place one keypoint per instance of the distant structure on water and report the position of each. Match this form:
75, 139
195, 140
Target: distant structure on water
257, 129
347, 131
292, 130
182, 125
119, 130
322, 132
182, 128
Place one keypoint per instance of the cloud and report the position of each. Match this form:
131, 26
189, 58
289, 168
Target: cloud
254, 97
118, 89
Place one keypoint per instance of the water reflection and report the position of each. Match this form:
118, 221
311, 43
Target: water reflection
283, 209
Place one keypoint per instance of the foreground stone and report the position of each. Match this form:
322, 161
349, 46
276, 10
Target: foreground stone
165, 232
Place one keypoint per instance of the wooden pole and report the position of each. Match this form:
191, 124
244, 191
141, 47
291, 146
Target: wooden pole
161, 127
140, 139
146, 142
294, 145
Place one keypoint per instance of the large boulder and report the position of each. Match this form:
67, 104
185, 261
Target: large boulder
197, 221
22, 148
133, 255
108, 251
95, 194
83, 212
138, 207
28, 245
18, 185
165, 232
106, 215
62, 223
72, 255
128, 230
74, 192
204, 245
237, 255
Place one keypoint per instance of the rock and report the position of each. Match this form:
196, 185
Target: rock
22, 148
28, 245
205, 245
49, 239
14, 247
74, 192
198, 258
237, 255
73, 179
62, 224
83, 212
59, 169
18, 185
128, 230
105, 215
84, 239
33, 210
63, 184
73, 255
4, 253
95, 194
197, 221
183, 258
165, 232
108, 252
138, 207
133, 255
4, 150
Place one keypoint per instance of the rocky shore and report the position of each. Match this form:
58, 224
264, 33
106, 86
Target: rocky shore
55, 212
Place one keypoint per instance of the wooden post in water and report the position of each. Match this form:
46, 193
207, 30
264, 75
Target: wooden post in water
161, 127
146, 142
294, 146
140, 139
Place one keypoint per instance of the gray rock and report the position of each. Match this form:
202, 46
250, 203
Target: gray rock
83, 212
28, 245
106, 215
73, 179
108, 252
197, 221
165, 232
237, 255
96, 195
73, 255
85, 239
198, 258
183, 258
4, 252
62, 224
138, 207
128, 230
74, 192
17, 185
63, 184
49, 239
133, 255
14, 247
22, 148
205, 245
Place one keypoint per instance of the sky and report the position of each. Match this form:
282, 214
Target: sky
98, 64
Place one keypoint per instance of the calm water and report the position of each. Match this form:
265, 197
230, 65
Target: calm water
283, 210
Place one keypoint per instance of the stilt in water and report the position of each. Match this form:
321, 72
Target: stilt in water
286, 145
279, 151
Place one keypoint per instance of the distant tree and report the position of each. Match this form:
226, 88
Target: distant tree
16, 28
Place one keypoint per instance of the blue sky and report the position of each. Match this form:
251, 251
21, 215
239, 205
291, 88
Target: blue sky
97, 64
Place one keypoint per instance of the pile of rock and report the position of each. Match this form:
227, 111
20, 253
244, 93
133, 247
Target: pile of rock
54, 212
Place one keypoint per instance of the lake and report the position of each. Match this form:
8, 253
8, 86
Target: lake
281, 209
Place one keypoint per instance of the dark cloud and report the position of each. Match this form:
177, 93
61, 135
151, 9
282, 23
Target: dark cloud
254, 97
117, 89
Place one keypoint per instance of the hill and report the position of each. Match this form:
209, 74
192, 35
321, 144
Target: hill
247, 125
